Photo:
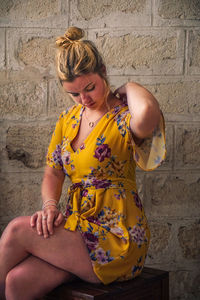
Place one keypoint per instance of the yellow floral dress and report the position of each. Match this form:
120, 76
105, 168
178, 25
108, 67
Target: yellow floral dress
102, 201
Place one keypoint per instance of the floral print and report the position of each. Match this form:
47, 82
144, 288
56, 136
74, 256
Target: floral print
66, 158
137, 200
102, 152
102, 201
103, 257
57, 155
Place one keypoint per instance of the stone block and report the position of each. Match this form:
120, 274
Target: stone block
177, 13
34, 13
111, 13
2, 227
2, 48
20, 194
59, 100
28, 144
32, 48
172, 195
187, 146
141, 52
140, 184
177, 96
22, 99
188, 237
160, 235
194, 52
63, 199
168, 162
184, 284
2, 134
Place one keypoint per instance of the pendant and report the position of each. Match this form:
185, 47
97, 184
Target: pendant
91, 124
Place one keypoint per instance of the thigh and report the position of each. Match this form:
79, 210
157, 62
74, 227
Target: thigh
64, 249
34, 278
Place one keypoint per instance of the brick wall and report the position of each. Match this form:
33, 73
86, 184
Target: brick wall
153, 42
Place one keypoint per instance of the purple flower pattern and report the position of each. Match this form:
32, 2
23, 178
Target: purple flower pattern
91, 240
57, 155
103, 257
137, 200
102, 152
99, 184
66, 158
138, 235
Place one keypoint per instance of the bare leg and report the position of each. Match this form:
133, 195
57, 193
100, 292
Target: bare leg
33, 278
64, 249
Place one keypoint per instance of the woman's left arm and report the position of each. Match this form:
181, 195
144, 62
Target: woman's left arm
144, 109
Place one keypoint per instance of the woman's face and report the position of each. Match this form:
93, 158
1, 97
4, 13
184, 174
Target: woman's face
88, 90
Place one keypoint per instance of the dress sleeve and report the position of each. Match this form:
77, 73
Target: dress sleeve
53, 158
152, 151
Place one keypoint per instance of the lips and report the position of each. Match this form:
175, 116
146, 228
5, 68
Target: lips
89, 104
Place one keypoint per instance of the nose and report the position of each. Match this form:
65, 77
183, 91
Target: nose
84, 98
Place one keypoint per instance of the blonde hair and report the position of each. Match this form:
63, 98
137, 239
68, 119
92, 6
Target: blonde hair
76, 57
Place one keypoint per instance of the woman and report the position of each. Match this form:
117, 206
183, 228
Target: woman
97, 143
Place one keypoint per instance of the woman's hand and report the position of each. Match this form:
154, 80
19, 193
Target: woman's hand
45, 220
121, 93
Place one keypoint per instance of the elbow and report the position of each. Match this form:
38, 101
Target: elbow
149, 119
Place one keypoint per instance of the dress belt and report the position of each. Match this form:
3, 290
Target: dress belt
95, 183
92, 183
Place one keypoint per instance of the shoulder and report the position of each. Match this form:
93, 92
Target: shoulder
68, 113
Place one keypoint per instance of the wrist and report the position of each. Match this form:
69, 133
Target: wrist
50, 202
50, 207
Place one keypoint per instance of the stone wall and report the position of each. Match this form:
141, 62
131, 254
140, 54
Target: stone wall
153, 42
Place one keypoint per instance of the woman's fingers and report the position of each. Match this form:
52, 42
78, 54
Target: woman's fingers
59, 219
121, 93
52, 215
44, 221
39, 223
33, 220
120, 90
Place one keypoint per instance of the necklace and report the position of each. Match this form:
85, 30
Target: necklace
92, 123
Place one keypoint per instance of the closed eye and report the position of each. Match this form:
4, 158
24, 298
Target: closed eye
75, 94
90, 88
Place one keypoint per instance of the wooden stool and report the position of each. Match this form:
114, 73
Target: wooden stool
152, 284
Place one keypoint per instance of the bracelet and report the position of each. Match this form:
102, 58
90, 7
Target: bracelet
44, 206
50, 200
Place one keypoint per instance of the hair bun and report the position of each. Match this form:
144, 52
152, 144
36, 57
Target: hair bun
74, 33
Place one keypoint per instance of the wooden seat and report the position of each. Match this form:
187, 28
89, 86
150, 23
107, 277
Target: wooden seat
152, 284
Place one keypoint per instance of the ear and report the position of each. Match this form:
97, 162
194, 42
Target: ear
103, 69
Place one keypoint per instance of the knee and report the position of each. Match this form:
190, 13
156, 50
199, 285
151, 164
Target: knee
14, 283
14, 229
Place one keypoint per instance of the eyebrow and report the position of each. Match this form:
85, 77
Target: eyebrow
84, 88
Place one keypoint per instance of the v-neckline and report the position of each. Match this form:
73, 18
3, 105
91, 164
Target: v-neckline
90, 133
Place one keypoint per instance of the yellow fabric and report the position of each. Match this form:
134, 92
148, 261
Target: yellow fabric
102, 202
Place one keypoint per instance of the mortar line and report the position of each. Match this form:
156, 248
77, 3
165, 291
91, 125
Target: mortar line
185, 61
47, 102
152, 12
6, 64
69, 8
173, 146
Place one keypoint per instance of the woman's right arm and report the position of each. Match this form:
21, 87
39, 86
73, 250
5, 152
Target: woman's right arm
50, 216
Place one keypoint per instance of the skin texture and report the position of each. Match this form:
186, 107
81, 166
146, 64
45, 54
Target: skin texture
38, 252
